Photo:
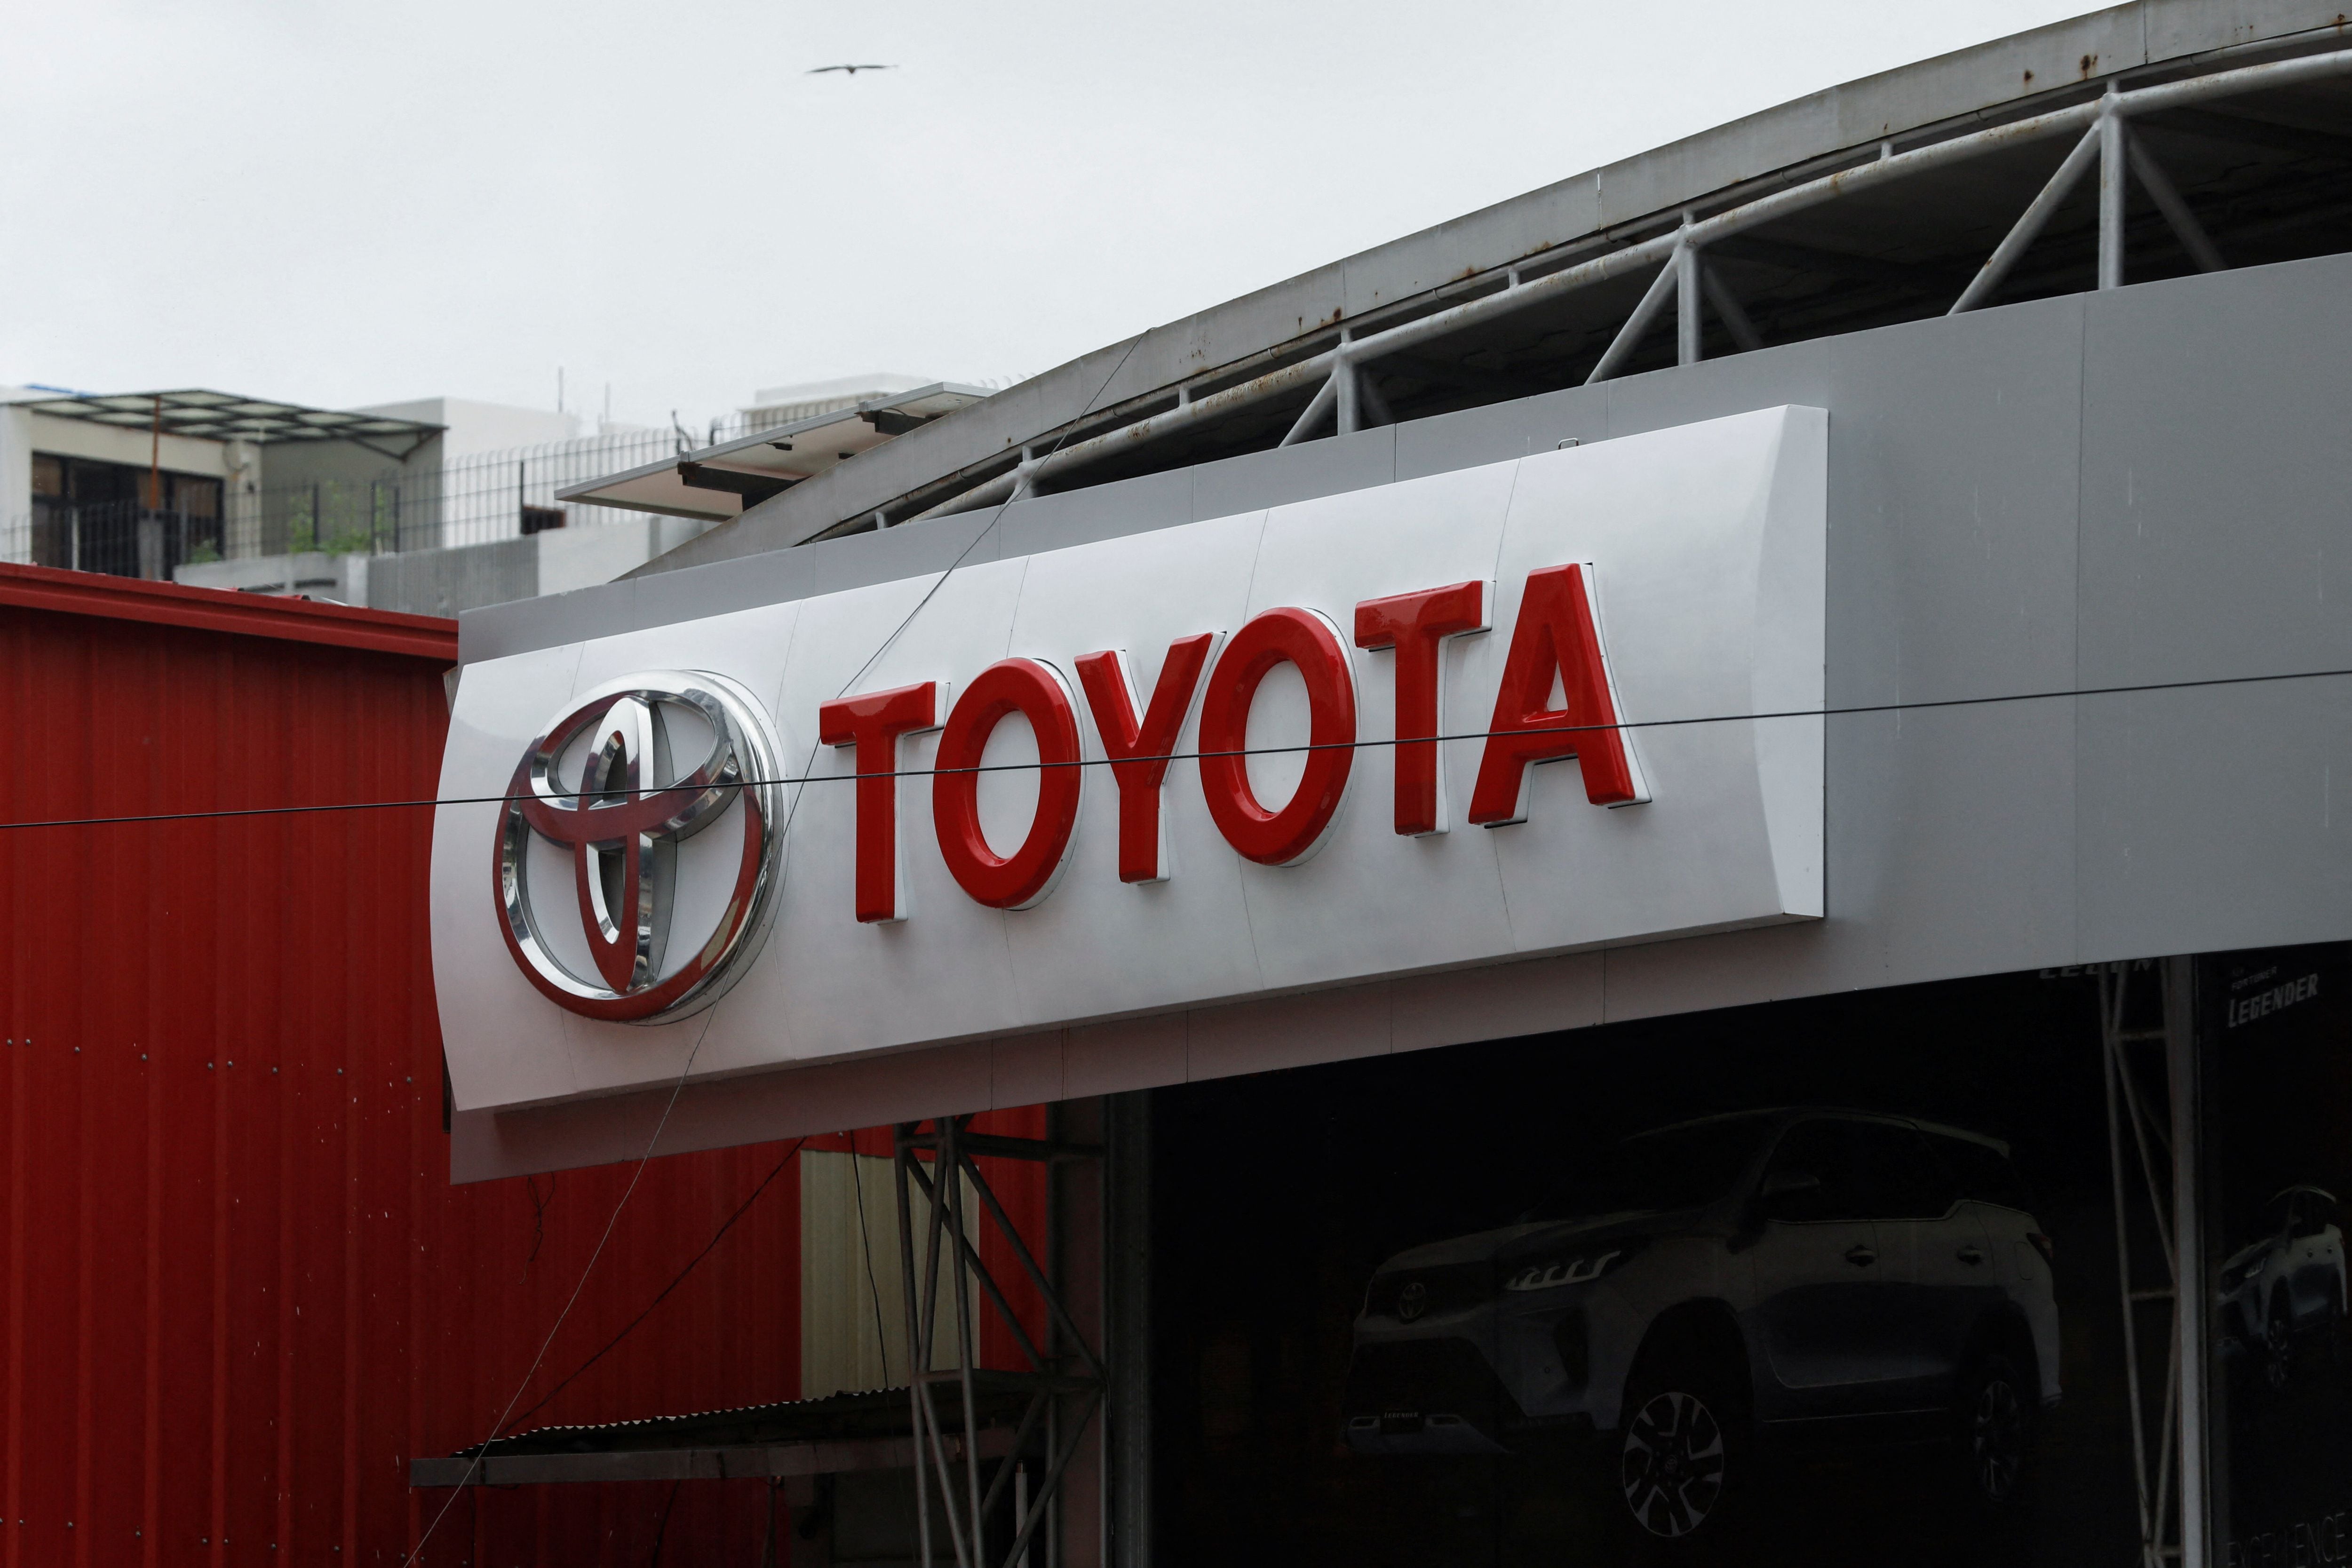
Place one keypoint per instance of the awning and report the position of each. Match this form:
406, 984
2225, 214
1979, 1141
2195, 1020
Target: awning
225, 417
715, 483
840, 1432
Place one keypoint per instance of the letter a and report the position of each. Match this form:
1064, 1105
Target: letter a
1556, 636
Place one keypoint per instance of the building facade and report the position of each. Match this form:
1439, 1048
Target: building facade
1888, 1075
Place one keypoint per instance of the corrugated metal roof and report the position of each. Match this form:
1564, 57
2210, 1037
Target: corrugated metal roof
218, 610
870, 1413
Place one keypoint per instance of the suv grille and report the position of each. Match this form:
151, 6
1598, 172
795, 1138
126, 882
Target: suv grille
1449, 1289
1428, 1377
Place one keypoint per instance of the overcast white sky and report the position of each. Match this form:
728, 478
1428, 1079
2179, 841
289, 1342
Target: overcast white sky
339, 204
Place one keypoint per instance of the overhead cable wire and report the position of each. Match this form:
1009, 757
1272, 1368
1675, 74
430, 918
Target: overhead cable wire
1849, 711
637, 1175
664, 1293
865, 1246
654, 1141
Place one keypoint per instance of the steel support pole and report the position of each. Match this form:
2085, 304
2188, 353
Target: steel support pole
1127, 1349
2028, 228
921, 1360
1727, 305
900, 1166
2112, 174
1686, 301
1317, 406
2189, 1239
1021, 1507
1637, 325
2167, 196
2114, 988
949, 1174
1344, 377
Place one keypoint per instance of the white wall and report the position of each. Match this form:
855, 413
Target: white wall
122, 443
853, 1291
483, 426
16, 484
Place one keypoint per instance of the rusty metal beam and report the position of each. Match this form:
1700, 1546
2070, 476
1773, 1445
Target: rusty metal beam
765, 1461
1524, 293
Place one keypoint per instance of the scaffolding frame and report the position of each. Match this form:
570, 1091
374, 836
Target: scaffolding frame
1066, 1369
2153, 1154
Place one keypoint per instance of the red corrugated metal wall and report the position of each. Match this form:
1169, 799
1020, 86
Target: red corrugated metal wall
241, 1292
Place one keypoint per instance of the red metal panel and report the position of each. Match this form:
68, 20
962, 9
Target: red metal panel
240, 1291
218, 610
1020, 1186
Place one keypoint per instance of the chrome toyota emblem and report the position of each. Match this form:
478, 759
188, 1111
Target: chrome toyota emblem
621, 821
1413, 1301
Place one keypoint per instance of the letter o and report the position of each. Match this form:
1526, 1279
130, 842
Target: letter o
1037, 693
1286, 837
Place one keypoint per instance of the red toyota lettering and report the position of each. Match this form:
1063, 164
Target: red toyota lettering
873, 723
1555, 636
1288, 836
1416, 626
1139, 750
1034, 691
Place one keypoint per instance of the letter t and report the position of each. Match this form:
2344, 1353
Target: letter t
1416, 626
872, 725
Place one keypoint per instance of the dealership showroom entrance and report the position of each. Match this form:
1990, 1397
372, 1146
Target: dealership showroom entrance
1883, 1271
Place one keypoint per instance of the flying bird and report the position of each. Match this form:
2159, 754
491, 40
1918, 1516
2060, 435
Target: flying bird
853, 71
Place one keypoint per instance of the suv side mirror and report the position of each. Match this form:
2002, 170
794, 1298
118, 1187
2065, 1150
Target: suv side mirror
1782, 1186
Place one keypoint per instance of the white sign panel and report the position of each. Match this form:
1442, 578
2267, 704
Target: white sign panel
1563, 702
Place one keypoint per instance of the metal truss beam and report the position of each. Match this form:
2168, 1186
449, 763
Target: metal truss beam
2147, 1052
1331, 372
2244, 130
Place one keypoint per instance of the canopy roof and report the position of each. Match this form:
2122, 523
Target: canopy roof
720, 481
225, 417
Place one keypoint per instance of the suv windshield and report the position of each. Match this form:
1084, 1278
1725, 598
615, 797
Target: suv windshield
1652, 1172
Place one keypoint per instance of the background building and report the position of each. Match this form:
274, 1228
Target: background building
138, 485
429, 506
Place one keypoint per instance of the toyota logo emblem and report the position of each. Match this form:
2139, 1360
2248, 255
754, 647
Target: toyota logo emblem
1413, 1301
620, 822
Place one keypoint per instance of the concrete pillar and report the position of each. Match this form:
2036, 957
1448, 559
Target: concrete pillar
240, 500
16, 484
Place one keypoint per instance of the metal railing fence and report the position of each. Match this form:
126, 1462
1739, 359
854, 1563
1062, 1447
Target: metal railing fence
478, 498
121, 539
1670, 248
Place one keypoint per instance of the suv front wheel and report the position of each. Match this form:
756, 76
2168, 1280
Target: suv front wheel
1684, 1454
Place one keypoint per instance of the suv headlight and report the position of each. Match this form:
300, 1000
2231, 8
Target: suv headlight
1570, 1268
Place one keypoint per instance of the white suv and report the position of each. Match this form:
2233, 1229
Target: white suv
1772, 1275
2288, 1284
